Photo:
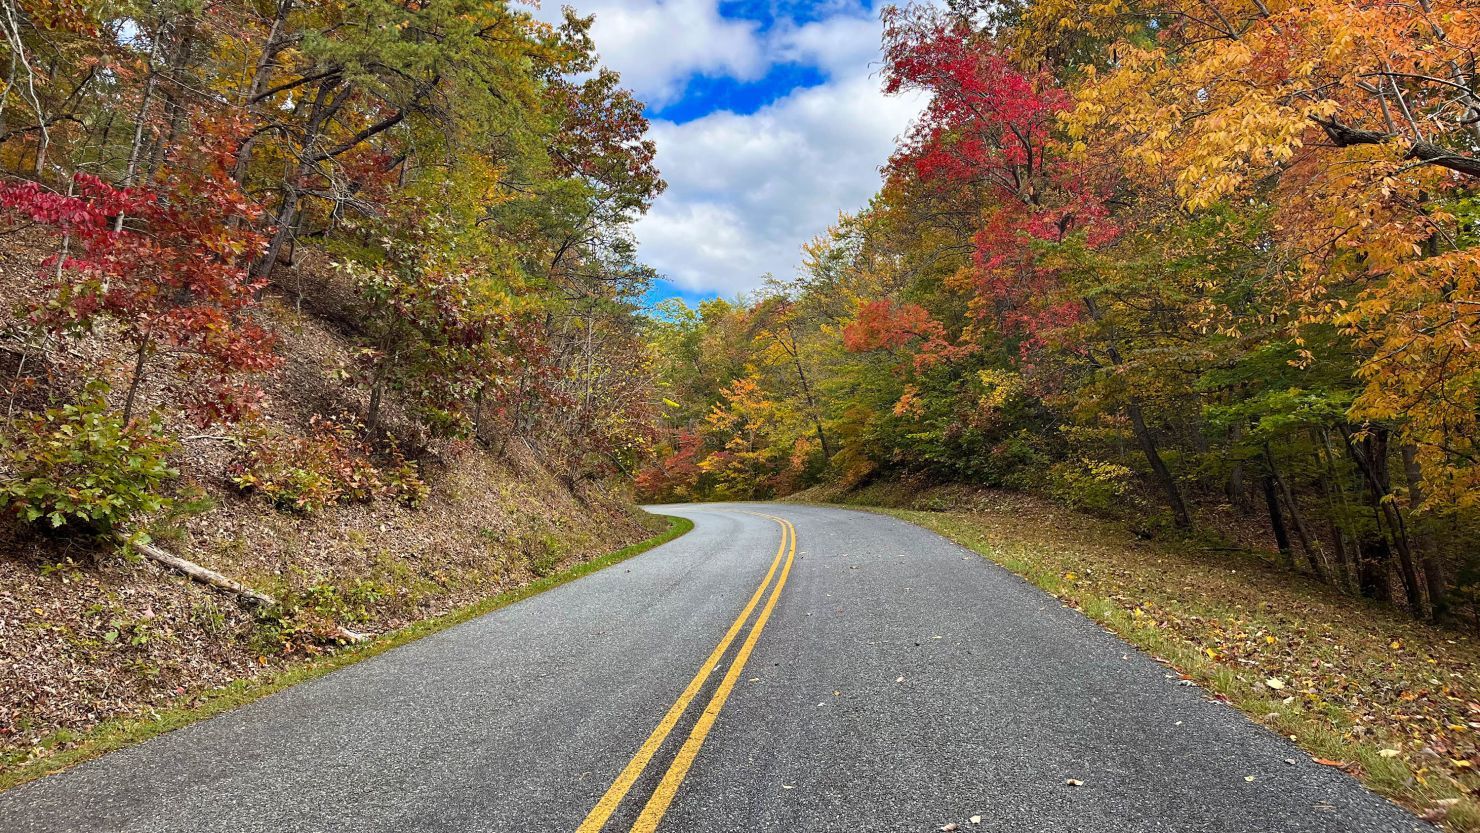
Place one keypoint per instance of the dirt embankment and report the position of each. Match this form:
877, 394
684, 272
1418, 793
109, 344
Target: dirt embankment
89, 634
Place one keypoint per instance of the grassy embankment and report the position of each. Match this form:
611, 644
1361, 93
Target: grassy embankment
115, 734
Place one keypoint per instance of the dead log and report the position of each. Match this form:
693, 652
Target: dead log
245, 596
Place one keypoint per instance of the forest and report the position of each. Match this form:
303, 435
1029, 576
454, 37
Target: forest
456, 179
322, 320
1207, 266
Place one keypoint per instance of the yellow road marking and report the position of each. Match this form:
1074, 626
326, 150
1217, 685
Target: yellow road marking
604, 808
657, 805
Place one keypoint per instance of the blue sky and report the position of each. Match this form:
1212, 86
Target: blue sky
769, 122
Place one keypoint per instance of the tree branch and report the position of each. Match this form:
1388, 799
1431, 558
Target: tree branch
1345, 136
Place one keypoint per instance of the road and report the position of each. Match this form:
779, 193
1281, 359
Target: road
780, 668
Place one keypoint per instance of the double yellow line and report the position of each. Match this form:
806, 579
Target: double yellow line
657, 803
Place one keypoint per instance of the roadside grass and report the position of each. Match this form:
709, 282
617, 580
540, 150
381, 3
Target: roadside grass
1358, 685
188, 709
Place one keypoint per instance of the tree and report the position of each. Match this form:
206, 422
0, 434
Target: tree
172, 278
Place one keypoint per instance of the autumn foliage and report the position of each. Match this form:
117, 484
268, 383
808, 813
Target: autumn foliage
458, 177
1204, 265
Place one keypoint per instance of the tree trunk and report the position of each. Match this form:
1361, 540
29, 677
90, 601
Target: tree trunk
1144, 438
1277, 522
1373, 566
1372, 460
260, 78
1159, 468
1308, 542
812, 408
377, 384
1433, 567
326, 104
1336, 509
140, 358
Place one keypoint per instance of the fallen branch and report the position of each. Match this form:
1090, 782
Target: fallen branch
245, 596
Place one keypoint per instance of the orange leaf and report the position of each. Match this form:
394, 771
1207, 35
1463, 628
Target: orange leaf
1329, 762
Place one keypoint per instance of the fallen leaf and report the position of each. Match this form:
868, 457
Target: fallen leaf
1248, 778
1329, 762
1275, 683
1388, 753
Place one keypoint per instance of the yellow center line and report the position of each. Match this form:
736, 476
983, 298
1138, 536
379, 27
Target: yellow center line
609, 802
657, 805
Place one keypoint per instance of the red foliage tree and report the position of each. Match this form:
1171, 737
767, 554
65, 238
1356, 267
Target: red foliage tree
884, 325
167, 265
987, 133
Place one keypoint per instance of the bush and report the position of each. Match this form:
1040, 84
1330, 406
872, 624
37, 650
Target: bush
330, 465
81, 468
1089, 484
403, 483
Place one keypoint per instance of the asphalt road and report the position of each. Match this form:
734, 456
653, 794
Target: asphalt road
883, 679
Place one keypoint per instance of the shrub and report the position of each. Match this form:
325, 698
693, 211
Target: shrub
1089, 484
80, 467
403, 482
331, 464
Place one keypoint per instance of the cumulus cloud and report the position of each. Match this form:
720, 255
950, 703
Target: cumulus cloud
658, 45
745, 191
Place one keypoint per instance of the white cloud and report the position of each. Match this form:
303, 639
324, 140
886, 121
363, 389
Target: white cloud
746, 191
658, 45
845, 44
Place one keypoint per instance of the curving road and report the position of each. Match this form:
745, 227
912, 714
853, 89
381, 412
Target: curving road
780, 668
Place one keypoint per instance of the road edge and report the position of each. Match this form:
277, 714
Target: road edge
119, 733
1309, 737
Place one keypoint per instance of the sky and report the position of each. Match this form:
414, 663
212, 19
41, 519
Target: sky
768, 119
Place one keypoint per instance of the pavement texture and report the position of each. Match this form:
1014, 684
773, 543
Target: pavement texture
902, 683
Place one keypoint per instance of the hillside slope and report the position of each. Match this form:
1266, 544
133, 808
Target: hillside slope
88, 634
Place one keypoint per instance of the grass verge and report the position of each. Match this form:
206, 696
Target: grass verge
1358, 685
115, 734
